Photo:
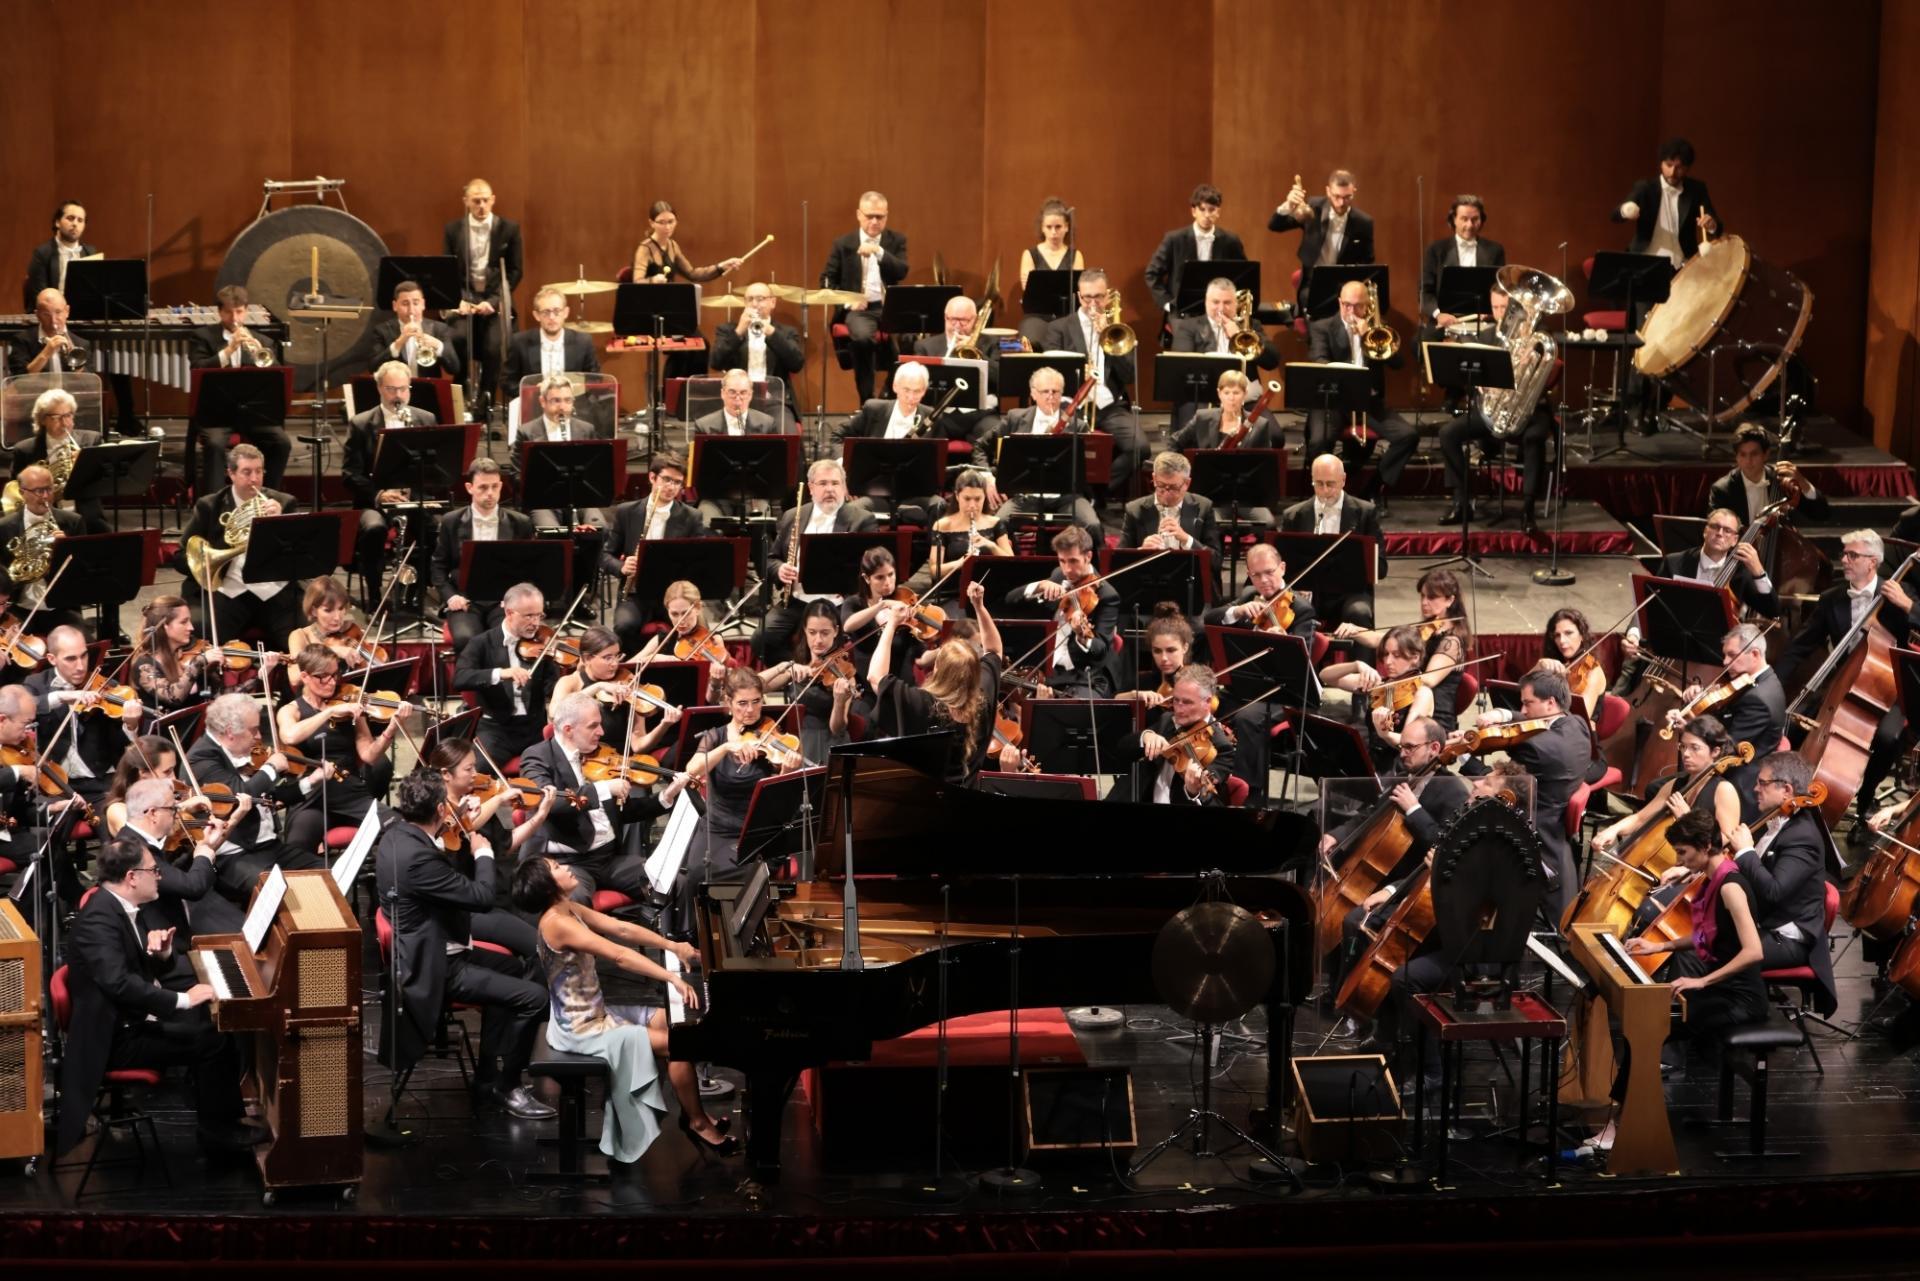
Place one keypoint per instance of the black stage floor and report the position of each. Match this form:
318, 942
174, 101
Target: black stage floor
462, 1192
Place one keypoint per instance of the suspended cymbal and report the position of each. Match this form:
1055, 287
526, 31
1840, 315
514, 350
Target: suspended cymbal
578, 288
734, 301
829, 298
787, 293
1213, 962
590, 326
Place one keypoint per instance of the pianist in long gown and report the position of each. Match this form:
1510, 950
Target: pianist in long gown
1715, 969
631, 1038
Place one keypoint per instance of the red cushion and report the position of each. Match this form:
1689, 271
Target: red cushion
341, 837
1236, 791
131, 1076
6, 865
82, 831
481, 945
1613, 320
1614, 711
610, 900
1796, 974
1609, 780
62, 998
383, 928
1468, 690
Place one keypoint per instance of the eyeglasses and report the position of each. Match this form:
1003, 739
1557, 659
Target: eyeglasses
1723, 529
1768, 782
1848, 554
36, 489
151, 869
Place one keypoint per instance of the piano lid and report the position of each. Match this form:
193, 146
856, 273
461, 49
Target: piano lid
906, 823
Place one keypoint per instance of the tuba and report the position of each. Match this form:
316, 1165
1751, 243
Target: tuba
1116, 338
1247, 339
1378, 341
208, 564
1530, 295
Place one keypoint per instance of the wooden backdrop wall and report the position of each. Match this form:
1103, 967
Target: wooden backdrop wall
967, 113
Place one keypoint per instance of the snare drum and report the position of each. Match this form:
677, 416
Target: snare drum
1725, 300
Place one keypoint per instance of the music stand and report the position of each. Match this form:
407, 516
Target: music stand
1180, 377
1632, 280
1182, 576
433, 395
891, 470
1050, 292
1276, 668
241, 399
714, 565
1190, 281
1237, 479
547, 563
108, 573
104, 470
1018, 368
1041, 465
1351, 569
568, 475
106, 289
830, 563
438, 276
1323, 286
745, 467
1467, 367
1681, 620
1003, 574
916, 309
291, 549
1464, 291
401, 676
1678, 533
460, 725
780, 817
1079, 735
659, 311
682, 681
184, 721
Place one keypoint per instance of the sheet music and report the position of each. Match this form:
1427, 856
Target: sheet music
346, 868
260, 915
1556, 964
670, 854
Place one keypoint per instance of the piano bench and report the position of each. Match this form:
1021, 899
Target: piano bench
571, 1072
1744, 1050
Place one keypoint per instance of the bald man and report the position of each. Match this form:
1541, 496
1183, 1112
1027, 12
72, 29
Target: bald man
488, 247
1337, 339
1332, 510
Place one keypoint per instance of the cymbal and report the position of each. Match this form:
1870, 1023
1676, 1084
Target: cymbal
787, 293
999, 333
816, 297
1213, 962
577, 288
590, 326
734, 301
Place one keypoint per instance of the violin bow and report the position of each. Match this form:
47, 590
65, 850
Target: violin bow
42, 602
565, 621
373, 620
1596, 642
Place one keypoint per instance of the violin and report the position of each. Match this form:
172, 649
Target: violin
1275, 615
113, 698
1577, 674
1718, 694
926, 621
1495, 737
835, 667
606, 764
532, 647
377, 705
644, 699
456, 825
50, 778
298, 763
1193, 746
702, 644
21, 650
1087, 597
355, 639
236, 656
1396, 695
526, 793
781, 749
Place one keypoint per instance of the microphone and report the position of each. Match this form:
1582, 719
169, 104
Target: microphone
1561, 245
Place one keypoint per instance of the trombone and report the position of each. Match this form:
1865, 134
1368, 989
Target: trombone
1116, 338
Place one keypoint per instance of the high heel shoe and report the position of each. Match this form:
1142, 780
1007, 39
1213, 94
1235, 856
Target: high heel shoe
727, 1146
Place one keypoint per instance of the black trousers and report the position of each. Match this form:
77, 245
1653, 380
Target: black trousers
506, 929
1458, 434
1890, 738
465, 624
1129, 447
512, 1007
271, 441
1328, 435
863, 347
236, 874
187, 1039
308, 822
607, 868
507, 740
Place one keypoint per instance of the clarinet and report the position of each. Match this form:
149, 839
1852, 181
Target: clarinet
783, 594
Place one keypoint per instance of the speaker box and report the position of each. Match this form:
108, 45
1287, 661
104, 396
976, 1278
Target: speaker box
1346, 1108
1076, 1108
22, 1133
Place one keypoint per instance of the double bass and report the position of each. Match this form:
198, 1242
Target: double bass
1880, 900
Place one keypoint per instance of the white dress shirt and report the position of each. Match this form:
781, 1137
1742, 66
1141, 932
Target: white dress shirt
757, 356
1666, 228
898, 427
553, 354
233, 583
602, 825
139, 935
266, 831
1203, 244
1326, 520
870, 271
479, 237
1860, 599
519, 692
1336, 237
1102, 394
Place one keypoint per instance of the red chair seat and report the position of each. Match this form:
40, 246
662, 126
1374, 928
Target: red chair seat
1614, 321
6, 865
610, 900
481, 945
1609, 780
131, 1076
1469, 690
1793, 974
341, 837
383, 930
1236, 791
82, 831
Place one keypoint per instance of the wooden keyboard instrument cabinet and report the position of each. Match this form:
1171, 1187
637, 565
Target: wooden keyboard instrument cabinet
304, 1013
21, 1128
1643, 1135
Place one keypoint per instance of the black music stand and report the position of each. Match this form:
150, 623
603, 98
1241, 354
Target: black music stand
1329, 388
459, 725
745, 467
916, 309
1050, 292
241, 399
107, 572
430, 462
1180, 377
1184, 577
1018, 368
1682, 621
568, 475
682, 681
830, 563
1275, 669
1190, 281
291, 549
106, 289
401, 676
943, 375
1041, 465
438, 276
1348, 570
547, 563
1237, 479
1323, 286
1464, 291
105, 470
1679, 533
1080, 735
893, 470
1467, 367
782, 816
1632, 280
659, 311
715, 565
1002, 574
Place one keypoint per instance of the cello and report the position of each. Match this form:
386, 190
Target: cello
1859, 688
1880, 900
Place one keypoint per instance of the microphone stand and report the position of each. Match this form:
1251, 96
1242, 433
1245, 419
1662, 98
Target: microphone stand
1553, 575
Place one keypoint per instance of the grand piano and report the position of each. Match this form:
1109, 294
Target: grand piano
1094, 883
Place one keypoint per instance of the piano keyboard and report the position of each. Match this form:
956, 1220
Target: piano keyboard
223, 973
676, 1004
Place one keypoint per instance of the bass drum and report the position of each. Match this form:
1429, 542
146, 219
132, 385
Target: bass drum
273, 259
1724, 298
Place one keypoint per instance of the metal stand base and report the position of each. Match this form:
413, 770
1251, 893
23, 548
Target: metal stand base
1203, 1143
1010, 1180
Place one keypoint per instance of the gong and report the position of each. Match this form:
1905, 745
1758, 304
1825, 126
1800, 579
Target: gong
273, 259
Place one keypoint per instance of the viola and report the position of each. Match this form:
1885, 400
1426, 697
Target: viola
605, 765
1276, 614
1495, 737
781, 749
702, 644
456, 825
298, 763
1193, 746
927, 621
113, 698
1582, 669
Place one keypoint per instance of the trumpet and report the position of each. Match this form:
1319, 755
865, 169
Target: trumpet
1247, 340
73, 358
759, 328
257, 351
1116, 338
427, 347
1380, 342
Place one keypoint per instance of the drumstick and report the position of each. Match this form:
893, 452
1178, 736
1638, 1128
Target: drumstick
757, 248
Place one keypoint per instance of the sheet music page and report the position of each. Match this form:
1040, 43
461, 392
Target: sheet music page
260, 915
346, 868
670, 855
1554, 963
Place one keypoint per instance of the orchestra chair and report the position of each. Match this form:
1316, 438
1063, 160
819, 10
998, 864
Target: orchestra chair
1801, 979
1613, 321
118, 1115
443, 1045
570, 1073
1744, 1051
1237, 790
1468, 690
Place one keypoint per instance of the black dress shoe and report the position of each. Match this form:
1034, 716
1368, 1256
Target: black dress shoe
1529, 522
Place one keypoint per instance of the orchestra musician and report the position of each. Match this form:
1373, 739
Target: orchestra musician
500, 666
1443, 622
966, 530
588, 824
557, 423
185, 903
817, 678
548, 348
167, 679
960, 694
1333, 230
1203, 239
1054, 226
228, 344
1785, 864
898, 419
47, 346
632, 1040
1703, 740
1227, 425
1113, 374
1757, 714
1394, 706
148, 756
730, 760
736, 415
599, 675
688, 636
865, 262
1332, 510
482, 520
959, 318
659, 258
659, 516
1466, 247
1199, 782
1261, 606
424, 347
458, 764
123, 1017
1338, 339
829, 512
1473, 425
1169, 642
1558, 760
224, 755
1046, 389
1081, 662
329, 624
89, 744
1752, 589
1671, 215
861, 615
1214, 331
488, 247
1566, 638
322, 724
364, 430
431, 903
19, 790
56, 442
47, 265
770, 352
1172, 518
1754, 485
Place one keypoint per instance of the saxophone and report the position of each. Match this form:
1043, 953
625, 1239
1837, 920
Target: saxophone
208, 564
